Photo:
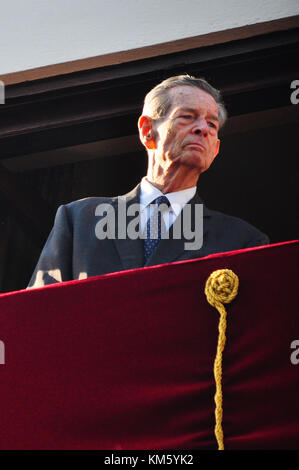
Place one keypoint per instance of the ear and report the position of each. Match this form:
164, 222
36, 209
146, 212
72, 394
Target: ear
217, 147
145, 126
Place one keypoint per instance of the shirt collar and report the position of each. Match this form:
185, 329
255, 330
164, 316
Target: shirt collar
177, 199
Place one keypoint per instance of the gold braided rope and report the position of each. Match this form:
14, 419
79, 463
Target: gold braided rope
221, 288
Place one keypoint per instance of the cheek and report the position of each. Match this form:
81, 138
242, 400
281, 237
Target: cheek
173, 141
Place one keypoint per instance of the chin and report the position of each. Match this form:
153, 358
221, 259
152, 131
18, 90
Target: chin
194, 161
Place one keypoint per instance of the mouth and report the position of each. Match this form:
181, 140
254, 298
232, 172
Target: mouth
196, 145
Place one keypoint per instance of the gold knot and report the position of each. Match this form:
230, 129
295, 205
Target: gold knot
221, 287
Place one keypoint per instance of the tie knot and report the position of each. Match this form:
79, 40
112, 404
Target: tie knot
162, 200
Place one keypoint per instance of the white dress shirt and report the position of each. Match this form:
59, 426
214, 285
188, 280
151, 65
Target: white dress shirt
177, 200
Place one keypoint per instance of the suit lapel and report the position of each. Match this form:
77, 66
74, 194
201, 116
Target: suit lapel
170, 249
130, 251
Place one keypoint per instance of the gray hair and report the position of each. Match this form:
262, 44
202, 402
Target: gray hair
157, 102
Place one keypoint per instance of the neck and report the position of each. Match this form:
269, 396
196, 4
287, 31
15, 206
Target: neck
174, 179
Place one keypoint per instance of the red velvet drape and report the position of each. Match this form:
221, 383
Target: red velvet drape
125, 361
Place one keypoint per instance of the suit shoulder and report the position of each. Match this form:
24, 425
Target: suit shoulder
236, 226
230, 219
88, 204
81, 210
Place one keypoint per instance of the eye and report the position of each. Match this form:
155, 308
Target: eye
186, 116
211, 124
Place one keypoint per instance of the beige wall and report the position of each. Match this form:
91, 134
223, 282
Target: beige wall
36, 33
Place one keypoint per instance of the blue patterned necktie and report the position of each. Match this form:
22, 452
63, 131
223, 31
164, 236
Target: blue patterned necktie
153, 226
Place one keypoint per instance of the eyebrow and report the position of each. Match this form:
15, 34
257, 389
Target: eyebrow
193, 110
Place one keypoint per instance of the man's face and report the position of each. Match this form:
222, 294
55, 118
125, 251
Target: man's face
188, 135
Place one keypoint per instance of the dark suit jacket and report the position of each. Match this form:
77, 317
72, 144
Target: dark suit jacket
73, 251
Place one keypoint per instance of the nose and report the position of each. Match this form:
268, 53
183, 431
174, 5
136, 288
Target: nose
201, 127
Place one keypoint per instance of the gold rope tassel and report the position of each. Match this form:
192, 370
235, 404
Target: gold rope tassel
221, 288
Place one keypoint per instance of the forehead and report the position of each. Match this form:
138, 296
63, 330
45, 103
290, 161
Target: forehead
191, 97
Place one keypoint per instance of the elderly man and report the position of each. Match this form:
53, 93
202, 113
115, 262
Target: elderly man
179, 128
